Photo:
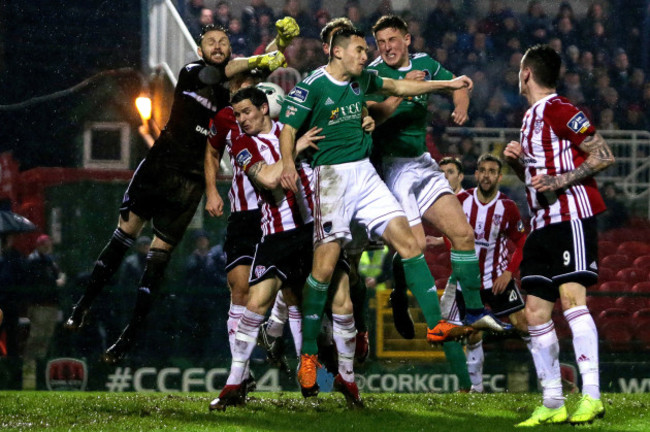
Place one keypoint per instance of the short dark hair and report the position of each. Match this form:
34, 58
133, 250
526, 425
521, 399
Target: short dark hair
255, 75
326, 32
209, 28
452, 160
545, 64
344, 34
488, 157
255, 95
390, 21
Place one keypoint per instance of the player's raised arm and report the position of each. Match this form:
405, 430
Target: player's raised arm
213, 201
413, 88
600, 157
381, 111
461, 105
287, 29
289, 176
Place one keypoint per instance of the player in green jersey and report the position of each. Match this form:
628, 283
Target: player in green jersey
414, 177
346, 185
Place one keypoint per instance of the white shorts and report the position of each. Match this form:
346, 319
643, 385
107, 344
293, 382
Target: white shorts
416, 183
347, 193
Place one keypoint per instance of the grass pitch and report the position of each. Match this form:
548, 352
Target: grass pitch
84, 411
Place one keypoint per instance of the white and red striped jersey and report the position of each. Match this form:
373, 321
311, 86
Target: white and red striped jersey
282, 210
551, 132
223, 129
494, 223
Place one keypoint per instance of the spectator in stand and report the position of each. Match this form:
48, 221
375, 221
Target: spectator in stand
606, 120
506, 32
536, 24
616, 214
564, 11
44, 280
509, 88
470, 153
134, 264
195, 26
481, 94
596, 38
609, 99
465, 37
634, 119
200, 281
129, 278
620, 72
572, 57
493, 115
257, 21
353, 12
310, 56
632, 91
645, 100
602, 83
238, 39
478, 55
12, 279
595, 14
222, 14
442, 19
571, 87
587, 73
630, 23
263, 34
192, 15
322, 18
385, 7
492, 22
556, 43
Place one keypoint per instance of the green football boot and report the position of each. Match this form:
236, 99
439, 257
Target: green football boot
588, 410
543, 415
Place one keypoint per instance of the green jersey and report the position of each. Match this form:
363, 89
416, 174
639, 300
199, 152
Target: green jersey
336, 106
404, 133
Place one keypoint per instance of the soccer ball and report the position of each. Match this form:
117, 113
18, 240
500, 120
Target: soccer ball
275, 95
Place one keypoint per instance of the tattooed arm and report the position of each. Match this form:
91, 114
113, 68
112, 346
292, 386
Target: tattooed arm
600, 157
265, 176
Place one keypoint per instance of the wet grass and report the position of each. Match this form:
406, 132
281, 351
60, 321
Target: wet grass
83, 411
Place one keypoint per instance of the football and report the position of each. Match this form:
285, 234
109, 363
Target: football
275, 95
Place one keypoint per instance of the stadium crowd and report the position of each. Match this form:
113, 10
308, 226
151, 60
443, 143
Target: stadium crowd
603, 70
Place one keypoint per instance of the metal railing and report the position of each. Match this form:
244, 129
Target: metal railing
171, 45
630, 172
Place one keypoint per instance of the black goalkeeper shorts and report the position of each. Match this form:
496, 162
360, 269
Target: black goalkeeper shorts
167, 197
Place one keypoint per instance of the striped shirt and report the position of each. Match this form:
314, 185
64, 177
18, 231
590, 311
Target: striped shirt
551, 132
223, 129
494, 223
282, 210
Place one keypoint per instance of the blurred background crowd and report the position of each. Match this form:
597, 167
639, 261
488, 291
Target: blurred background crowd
602, 49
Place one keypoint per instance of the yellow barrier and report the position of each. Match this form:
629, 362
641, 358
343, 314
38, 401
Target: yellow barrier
389, 342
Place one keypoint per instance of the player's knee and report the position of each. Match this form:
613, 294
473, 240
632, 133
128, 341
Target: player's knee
536, 315
518, 319
475, 338
342, 305
463, 237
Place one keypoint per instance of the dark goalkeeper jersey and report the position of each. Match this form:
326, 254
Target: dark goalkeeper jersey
181, 145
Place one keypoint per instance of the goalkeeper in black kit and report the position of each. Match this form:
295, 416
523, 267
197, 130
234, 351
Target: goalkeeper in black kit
168, 184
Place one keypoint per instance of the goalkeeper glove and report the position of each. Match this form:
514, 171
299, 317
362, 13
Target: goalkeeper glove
270, 61
288, 29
